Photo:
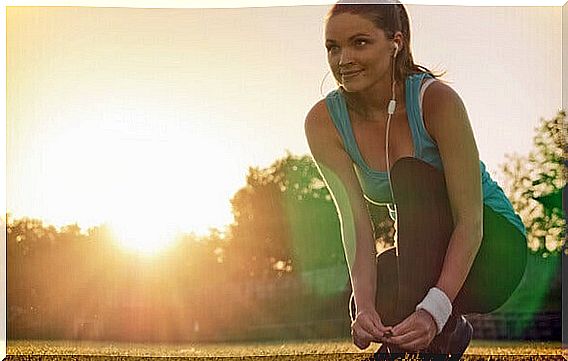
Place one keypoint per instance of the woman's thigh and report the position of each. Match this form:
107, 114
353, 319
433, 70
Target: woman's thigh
498, 267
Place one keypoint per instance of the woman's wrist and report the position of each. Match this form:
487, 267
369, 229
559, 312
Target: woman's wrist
438, 305
363, 306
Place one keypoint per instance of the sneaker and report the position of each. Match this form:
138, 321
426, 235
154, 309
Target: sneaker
453, 342
460, 338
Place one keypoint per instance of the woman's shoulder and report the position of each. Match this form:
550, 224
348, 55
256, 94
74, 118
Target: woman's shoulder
439, 94
318, 109
321, 112
441, 103
319, 126
318, 117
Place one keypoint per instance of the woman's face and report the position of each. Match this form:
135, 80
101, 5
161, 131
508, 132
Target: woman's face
358, 52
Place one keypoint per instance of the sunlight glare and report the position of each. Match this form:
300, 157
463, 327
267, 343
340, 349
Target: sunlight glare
144, 237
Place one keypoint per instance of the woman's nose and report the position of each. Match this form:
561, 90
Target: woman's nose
345, 57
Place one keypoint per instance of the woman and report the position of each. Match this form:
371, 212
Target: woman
392, 134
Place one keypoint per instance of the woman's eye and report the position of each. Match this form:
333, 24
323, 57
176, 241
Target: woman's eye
332, 48
360, 42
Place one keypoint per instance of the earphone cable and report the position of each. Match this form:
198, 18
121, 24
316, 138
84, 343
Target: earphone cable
391, 109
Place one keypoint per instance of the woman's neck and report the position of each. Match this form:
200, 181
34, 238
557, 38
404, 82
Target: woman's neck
372, 104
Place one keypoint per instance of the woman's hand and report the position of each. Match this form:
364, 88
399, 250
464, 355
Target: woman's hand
415, 333
367, 327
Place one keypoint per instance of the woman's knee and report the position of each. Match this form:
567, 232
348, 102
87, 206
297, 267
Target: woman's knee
412, 173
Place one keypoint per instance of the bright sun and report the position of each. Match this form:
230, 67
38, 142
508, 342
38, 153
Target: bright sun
148, 189
145, 238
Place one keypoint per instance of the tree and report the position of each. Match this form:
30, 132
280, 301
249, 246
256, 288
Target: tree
285, 220
534, 184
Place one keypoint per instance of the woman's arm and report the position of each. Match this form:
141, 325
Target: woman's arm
446, 120
337, 170
356, 233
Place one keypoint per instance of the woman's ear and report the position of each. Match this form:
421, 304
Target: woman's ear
398, 38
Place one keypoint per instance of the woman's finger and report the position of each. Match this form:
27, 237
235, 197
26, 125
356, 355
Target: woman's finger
361, 333
403, 327
415, 345
367, 324
382, 327
406, 338
361, 338
361, 344
378, 328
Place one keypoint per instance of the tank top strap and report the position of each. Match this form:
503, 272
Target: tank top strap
414, 93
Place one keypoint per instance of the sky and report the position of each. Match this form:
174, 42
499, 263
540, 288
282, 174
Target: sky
139, 116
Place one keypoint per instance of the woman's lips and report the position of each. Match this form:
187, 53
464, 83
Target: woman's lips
350, 74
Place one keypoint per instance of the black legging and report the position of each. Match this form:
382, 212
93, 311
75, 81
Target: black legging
424, 229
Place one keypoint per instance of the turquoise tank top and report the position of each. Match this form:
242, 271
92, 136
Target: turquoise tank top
374, 184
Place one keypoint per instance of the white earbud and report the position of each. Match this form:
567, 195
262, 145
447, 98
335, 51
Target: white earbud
395, 50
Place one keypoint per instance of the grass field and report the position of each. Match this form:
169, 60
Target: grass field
341, 349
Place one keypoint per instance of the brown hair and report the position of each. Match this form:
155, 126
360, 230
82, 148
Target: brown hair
390, 17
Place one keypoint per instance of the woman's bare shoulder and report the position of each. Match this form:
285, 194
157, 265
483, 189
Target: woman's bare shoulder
441, 103
439, 95
318, 116
319, 126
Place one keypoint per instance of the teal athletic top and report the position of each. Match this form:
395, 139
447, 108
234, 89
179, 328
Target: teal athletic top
374, 184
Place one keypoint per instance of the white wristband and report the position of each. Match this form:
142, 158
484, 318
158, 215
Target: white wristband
437, 304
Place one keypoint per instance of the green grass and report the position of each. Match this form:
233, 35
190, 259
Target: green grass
341, 349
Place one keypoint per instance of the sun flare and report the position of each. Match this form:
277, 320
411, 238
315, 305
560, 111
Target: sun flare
143, 238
